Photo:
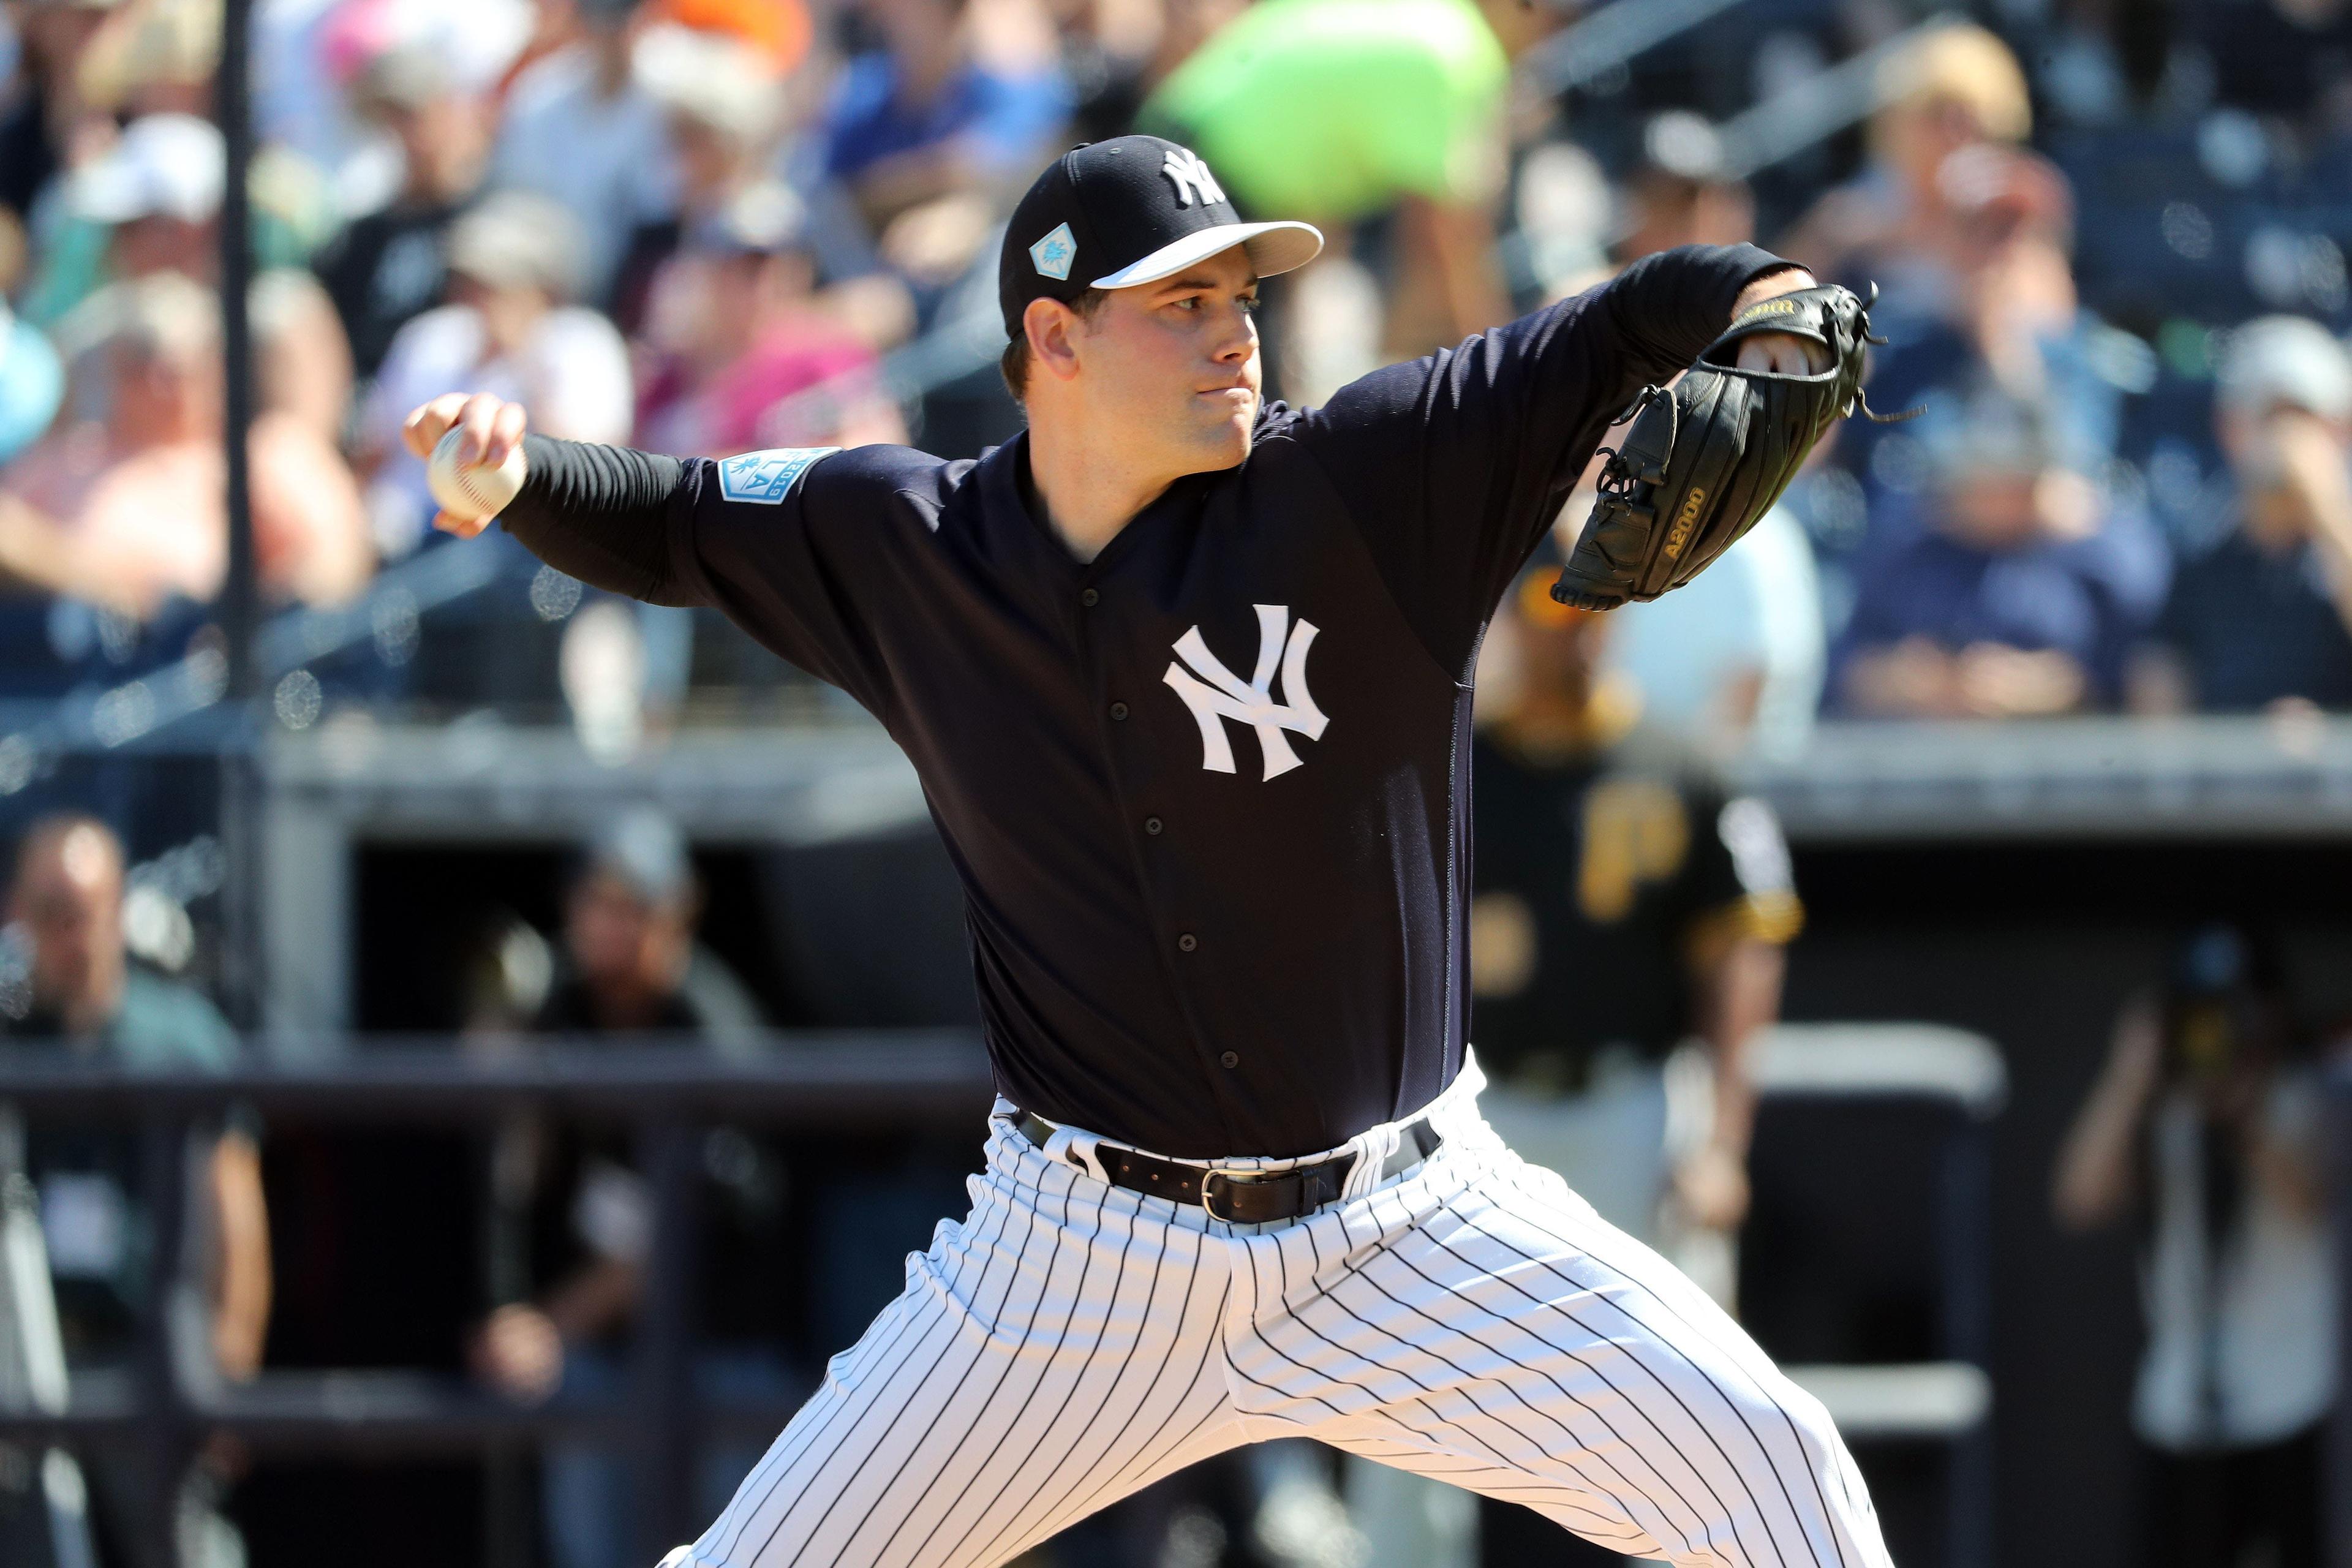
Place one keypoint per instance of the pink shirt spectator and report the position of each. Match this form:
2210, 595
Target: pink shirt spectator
745, 405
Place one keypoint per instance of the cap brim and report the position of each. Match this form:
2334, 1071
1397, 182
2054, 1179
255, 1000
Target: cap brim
1273, 247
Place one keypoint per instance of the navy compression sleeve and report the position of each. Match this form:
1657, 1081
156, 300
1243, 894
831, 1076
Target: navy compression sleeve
600, 514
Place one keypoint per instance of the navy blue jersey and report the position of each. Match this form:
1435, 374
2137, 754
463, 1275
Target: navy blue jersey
1208, 792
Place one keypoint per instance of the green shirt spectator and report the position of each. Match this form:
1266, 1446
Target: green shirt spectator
1334, 109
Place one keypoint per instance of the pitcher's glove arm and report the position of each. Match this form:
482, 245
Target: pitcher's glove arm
1706, 458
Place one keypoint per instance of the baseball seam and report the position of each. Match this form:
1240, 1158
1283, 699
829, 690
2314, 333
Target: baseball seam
463, 474
466, 483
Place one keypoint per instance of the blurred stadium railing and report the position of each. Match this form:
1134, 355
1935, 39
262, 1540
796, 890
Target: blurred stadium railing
170, 1402
1871, 1070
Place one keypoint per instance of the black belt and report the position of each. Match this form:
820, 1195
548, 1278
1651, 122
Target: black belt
1240, 1197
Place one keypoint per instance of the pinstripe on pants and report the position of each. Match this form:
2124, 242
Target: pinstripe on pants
1070, 1341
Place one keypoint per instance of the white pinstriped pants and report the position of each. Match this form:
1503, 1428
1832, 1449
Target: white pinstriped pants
1069, 1341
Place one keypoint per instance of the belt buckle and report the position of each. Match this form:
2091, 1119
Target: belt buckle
1239, 1178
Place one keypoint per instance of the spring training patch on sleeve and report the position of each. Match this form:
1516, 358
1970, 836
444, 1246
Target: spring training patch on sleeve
767, 475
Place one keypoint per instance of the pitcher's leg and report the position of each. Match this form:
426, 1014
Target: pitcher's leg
1527, 1350
1050, 1355
1609, 1144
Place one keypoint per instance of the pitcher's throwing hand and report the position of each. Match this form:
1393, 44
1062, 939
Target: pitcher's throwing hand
492, 428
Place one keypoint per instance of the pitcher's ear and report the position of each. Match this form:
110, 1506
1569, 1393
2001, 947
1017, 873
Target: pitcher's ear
1051, 329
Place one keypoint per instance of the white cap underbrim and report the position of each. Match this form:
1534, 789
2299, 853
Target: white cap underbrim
1273, 247
170, 164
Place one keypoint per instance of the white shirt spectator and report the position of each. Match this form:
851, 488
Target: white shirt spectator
607, 159
574, 375
2242, 1348
1756, 615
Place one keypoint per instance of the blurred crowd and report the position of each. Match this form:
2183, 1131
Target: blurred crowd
2108, 245
2106, 242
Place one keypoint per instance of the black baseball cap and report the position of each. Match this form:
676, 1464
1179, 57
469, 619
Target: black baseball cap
1134, 209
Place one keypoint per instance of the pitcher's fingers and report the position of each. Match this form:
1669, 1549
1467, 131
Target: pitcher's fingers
424, 427
506, 434
480, 414
459, 526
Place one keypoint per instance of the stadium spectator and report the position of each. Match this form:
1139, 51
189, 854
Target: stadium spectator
961, 98
574, 1215
1683, 191
1607, 849
2005, 332
723, 109
81, 999
1957, 87
391, 265
509, 326
157, 57
1733, 660
151, 205
2018, 590
47, 123
778, 32
1998, 577
156, 60
580, 129
2206, 1122
2006, 320
1336, 111
127, 511
632, 960
2258, 615
738, 338
301, 361
1117, 52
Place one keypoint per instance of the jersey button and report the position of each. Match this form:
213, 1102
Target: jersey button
1152, 824
1187, 943
1118, 709
1231, 1058
1089, 598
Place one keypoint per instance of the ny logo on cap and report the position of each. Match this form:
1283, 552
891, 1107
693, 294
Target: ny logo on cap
1191, 177
1218, 694
1053, 254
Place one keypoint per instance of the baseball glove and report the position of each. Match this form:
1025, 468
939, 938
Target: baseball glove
1706, 458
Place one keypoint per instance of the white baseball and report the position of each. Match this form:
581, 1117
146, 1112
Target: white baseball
471, 492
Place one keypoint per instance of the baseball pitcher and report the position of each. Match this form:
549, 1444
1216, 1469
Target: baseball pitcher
1186, 675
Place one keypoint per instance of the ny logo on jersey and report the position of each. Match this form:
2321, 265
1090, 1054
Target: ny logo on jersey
1219, 694
1191, 177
